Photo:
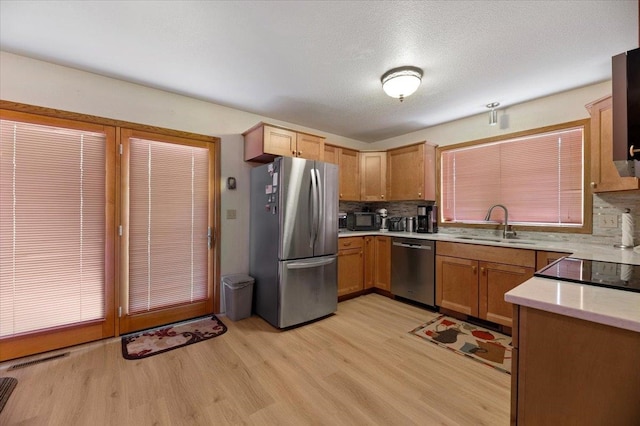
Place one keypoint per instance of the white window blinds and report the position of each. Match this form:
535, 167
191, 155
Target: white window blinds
52, 227
539, 178
168, 223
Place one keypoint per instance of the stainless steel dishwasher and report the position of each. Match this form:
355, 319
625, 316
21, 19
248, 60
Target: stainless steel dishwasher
413, 270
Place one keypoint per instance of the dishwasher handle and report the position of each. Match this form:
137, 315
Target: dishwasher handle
412, 246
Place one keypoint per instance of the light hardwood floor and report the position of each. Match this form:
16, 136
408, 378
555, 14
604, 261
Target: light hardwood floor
357, 367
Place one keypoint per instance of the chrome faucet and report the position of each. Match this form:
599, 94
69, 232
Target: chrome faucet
506, 233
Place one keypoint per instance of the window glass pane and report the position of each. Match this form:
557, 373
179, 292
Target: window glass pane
168, 225
52, 227
539, 178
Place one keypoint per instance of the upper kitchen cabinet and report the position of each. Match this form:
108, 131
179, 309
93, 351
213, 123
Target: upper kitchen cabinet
264, 142
349, 167
331, 153
604, 175
411, 172
348, 161
373, 182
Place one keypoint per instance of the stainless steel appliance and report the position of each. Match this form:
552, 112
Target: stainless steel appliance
294, 240
383, 224
413, 270
427, 222
362, 221
342, 221
410, 224
620, 276
396, 224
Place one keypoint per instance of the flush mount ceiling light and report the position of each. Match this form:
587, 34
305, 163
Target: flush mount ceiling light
401, 82
493, 114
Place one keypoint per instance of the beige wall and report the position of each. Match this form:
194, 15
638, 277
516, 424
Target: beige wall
554, 109
40, 83
44, 84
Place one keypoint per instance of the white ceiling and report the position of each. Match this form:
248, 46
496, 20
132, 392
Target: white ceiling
318, 63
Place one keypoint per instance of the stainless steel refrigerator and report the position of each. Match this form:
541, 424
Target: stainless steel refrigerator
294, 240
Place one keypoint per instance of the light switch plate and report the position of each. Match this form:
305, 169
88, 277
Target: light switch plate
231, 214
607, 221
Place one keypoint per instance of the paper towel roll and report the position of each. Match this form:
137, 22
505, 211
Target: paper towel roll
627, 229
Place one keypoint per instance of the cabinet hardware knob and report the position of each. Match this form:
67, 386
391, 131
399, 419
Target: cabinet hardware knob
299, 153
593, 184
293, 152
382, 196
474, 269
482, 270
340, 195
419, 194
632, 151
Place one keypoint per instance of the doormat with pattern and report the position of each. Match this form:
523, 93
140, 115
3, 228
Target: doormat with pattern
7, 385
487, 346
159, 340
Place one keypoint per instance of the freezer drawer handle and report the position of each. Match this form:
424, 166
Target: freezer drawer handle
413, 246
313, 264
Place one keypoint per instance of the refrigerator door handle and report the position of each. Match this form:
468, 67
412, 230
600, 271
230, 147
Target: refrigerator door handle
310, 264
319, 204
314, 208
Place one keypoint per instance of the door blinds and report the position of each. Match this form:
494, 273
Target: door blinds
168, 212
539, 178
52, 227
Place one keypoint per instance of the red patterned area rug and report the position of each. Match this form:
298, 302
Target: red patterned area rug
159, 340
487, 346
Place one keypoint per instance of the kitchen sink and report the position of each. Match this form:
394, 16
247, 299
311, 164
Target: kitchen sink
495, 240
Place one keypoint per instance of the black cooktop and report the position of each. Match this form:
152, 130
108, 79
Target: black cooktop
620, 276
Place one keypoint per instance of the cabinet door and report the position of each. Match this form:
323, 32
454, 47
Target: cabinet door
405, 173
349, 175
373, 180
457, 284
331, 154
309, 147
383, 263
544, 258
350, 271
604, 175
495, 280
350, 265
279, 141
369, 261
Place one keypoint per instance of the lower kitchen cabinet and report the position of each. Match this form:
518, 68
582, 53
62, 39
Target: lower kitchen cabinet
350, 265
382, 263
572, 371
363, 263
544, 258
472, 279
369, 264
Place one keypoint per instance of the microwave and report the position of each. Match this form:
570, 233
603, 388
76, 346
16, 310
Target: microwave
362, 221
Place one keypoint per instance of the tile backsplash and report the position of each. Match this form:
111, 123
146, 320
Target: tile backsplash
607, 211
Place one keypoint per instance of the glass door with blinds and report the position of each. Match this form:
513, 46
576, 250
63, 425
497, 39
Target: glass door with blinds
57, 186
166, 247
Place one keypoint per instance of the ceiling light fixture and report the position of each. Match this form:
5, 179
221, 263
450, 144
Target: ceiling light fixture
493, 114
401, 82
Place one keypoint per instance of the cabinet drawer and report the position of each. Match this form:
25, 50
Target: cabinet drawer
350, 243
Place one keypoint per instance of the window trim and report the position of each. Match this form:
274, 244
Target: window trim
586, 227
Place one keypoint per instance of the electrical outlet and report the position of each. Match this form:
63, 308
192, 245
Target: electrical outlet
607, 221
231, 214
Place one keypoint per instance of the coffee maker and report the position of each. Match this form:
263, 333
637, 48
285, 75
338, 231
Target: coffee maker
427, 219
